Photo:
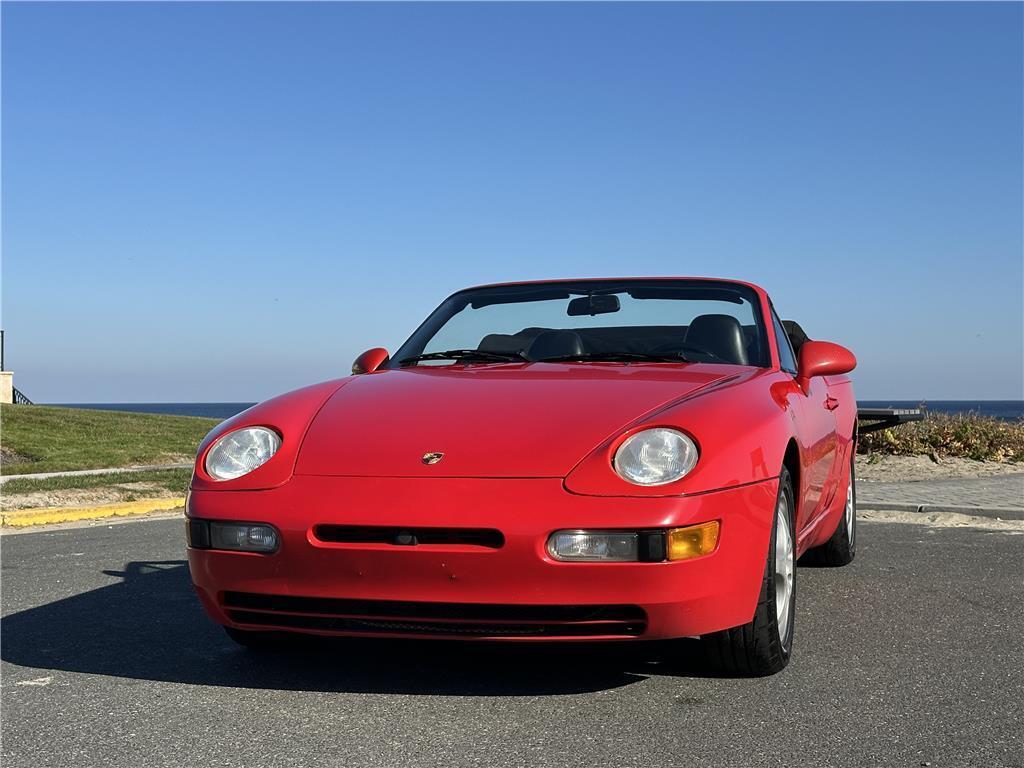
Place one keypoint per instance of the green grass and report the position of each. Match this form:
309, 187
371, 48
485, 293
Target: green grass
55, 439
174, 480
968, 436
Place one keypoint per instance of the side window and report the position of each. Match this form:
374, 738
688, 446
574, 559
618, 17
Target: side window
787, 359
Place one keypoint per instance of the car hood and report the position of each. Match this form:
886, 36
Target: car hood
531, 420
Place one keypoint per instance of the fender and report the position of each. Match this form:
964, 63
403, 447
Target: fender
741, 429
289, 415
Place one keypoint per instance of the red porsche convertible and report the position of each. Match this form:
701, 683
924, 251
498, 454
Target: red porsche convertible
619, 459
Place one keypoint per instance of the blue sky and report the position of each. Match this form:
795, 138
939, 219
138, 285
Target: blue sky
226, 201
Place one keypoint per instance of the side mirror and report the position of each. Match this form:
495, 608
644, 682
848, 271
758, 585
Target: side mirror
370, 360
822, 358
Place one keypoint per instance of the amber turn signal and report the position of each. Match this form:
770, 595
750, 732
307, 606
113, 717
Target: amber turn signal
692, 541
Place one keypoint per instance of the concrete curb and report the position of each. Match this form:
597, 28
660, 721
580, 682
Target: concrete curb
998, 513
21, 518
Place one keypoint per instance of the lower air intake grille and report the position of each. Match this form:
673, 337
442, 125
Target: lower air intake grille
416, 618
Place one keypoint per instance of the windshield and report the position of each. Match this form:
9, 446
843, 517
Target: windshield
628, 320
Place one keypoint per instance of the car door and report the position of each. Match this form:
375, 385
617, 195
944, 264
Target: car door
815, 427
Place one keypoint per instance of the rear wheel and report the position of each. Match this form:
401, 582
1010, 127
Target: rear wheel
762, 647
841, 548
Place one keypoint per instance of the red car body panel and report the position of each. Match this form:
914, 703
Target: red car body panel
528, 451
518, 420
289, 415
682, 598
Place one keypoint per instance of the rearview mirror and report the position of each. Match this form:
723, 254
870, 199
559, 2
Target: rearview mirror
823, 358
370, 360
601, 304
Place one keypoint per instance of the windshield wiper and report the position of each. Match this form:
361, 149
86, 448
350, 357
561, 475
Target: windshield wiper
478, 355
615, 357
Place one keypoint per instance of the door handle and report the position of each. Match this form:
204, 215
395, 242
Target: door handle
831, 403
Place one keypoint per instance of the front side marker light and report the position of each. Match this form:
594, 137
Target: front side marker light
692, 541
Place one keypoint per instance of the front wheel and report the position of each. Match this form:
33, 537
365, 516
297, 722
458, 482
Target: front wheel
762, 647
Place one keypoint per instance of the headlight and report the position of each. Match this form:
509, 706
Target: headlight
655, 457
240, 452
594, 545
243, 537
236, 537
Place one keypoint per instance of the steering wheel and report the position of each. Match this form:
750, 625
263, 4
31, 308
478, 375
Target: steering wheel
682, 346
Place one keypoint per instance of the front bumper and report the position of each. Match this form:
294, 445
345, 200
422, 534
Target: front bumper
514, 591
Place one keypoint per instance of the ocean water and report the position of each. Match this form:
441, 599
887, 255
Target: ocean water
1008, 410
206, 410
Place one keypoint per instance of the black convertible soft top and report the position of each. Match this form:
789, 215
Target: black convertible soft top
869, 419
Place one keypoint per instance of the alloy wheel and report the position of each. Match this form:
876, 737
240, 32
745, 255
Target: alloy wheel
849, 512
784, 568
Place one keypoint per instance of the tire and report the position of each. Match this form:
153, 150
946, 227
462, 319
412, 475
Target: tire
256, 641
763, 646
841, 548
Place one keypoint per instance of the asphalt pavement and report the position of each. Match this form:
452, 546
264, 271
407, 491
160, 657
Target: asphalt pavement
909, 657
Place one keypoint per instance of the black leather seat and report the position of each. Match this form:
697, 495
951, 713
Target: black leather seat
556, 344
722, 335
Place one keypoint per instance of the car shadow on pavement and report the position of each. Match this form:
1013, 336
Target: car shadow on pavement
149, 626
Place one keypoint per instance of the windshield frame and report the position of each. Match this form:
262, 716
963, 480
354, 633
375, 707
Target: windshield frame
457, 301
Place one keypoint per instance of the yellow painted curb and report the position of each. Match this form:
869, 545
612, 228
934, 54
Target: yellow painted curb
48, 515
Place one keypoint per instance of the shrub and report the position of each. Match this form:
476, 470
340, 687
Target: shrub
969, 436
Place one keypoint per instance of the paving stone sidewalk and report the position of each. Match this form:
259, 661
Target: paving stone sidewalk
999, 492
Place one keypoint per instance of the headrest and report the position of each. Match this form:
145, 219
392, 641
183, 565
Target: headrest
721, 335
556, 344
502, 342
